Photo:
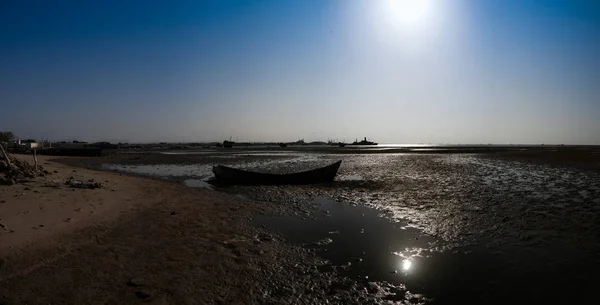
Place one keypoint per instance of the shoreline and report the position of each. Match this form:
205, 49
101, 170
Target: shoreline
231, 237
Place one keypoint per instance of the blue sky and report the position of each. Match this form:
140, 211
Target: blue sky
466, 71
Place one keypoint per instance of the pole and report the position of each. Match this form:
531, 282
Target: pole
5, 154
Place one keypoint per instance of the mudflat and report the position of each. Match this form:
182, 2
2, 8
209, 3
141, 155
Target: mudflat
506, 223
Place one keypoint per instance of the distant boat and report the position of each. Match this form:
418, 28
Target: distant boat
282, 145
340, 144
364, 142
233, 176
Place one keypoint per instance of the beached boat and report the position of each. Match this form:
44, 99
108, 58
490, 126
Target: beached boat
230, 176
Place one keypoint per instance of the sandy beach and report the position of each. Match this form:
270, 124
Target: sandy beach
142, 240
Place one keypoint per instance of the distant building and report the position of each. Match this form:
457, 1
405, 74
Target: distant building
23, 145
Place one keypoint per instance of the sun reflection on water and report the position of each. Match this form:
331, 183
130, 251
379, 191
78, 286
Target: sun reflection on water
406, 264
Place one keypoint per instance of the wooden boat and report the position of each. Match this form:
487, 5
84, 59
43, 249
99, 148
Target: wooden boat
232, 176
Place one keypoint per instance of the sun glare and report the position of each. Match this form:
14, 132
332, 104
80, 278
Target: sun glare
409, 13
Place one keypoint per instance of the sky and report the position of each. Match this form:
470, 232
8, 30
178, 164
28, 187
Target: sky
395, 71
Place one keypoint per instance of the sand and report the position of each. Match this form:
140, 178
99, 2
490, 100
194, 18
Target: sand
138, 240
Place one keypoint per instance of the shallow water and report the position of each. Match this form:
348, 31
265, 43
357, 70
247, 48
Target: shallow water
361, 243
197, 183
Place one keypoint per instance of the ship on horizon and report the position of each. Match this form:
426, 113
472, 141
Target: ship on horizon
363, 142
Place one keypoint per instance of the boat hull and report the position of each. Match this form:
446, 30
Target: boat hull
232, 176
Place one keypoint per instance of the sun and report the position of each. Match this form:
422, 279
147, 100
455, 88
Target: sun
409, 13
